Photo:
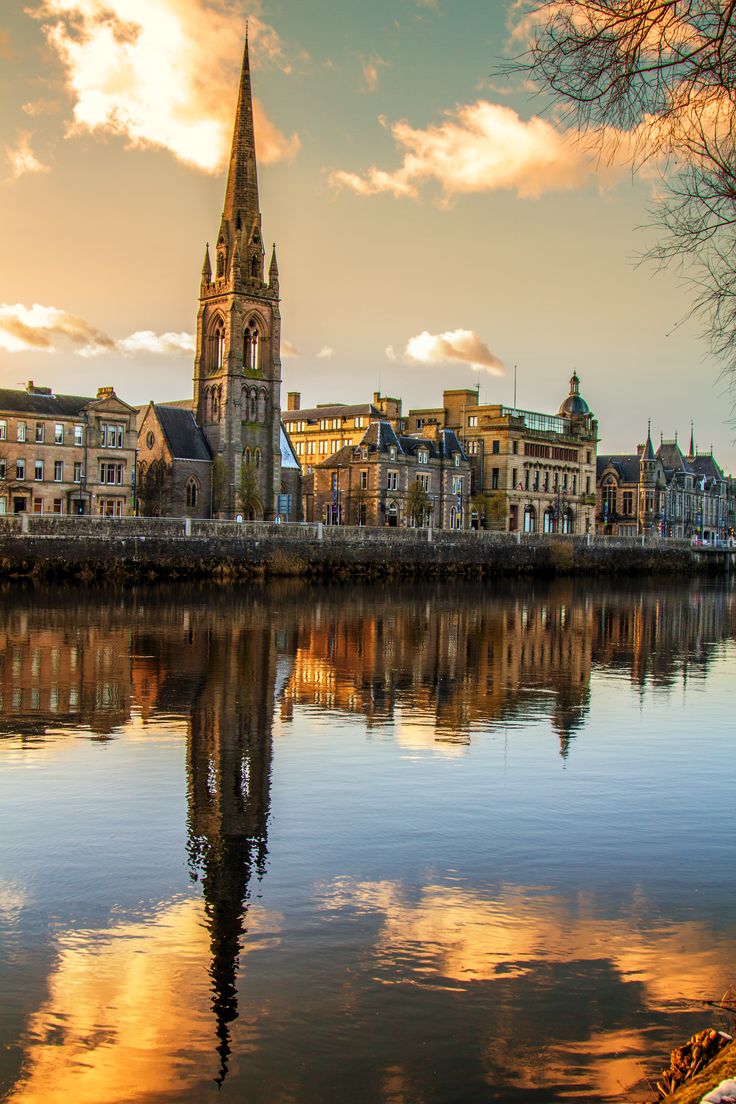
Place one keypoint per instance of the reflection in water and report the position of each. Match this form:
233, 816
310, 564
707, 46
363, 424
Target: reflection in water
149, 1004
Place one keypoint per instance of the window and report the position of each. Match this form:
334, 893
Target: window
496, 448
424, 481
78, 471
3, 431
112, 436
587, 458
628, 502
20, 432
58, 471
3, 468
38, 505
457, 459
58, 434
457, 485
423, 456
20, 469
192, 493
111, 507
251, 348
392, 482
609, 500
515, 447
363, 483
494, 479
38, 476
111, 473
334, 445
392, 452
514, 473
257, 457
324, 423
78, 435
40, 433
3, 506
311, 448
58, 506
587, 484
473, 420
359, 423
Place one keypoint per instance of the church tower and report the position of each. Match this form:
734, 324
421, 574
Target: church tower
237, 367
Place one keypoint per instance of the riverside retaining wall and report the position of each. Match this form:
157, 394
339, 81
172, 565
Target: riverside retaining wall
58, 547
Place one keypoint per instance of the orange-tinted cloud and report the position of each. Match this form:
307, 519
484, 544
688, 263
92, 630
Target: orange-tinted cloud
161, 73
462, 346
370, 68
22, 159
40, 329
479, 147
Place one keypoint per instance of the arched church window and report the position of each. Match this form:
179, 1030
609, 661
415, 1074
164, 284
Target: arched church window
251, 352
254, 265
247, 456
192, 493
216, 345
257, 458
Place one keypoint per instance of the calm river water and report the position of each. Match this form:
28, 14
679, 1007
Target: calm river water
412, 845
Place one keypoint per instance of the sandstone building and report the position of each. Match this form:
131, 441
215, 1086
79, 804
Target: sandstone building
66, 454
394, 480
532, 472
318, 432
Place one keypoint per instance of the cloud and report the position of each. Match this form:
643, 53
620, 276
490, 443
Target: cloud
162, 74
479, 147
288, 350
22, 159
41, 329
462, 346
391, 352
370, 68
326, 353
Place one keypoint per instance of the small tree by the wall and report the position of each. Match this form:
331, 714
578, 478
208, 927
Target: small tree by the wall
491, 509
418, 504
248, 497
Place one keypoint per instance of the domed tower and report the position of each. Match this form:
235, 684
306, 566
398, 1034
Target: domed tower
575, 405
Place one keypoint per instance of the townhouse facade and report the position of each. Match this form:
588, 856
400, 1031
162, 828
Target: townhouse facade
66, 454
532, 472
394, 480
318, 432
664, 493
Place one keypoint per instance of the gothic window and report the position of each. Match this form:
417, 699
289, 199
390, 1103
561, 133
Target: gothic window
247, 456
192, 493
254, 265
609, 498
257, 457
251, 342
216, 345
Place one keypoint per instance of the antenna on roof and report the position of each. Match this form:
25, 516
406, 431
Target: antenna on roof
514, 389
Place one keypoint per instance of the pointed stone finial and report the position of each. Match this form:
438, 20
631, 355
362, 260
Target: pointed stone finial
273, 271
648, 449
235, 261
207, 267
692, 440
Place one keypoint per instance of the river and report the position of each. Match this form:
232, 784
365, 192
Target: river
406, 844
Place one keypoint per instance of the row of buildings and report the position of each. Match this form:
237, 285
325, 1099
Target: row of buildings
229, 451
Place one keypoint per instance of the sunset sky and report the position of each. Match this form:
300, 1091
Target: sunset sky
434, 227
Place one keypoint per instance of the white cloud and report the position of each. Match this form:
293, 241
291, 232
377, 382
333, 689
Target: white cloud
462, 346
289, 350
479, 147
22, 159
326, 353
390, 352
42, 329
162, 73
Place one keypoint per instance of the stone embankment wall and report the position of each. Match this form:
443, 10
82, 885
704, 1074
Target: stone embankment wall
51, 547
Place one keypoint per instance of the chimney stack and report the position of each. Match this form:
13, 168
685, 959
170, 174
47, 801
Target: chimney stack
294, 400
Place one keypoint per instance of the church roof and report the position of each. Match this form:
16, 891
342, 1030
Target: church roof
185, 438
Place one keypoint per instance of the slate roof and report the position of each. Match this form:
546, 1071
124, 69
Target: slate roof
186, 439
625, 464
706, 466
673, 459
24, 402
288, 456
381, 436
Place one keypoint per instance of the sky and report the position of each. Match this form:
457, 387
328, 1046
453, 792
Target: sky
435, 226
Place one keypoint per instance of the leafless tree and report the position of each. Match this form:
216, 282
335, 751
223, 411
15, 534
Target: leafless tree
657, 77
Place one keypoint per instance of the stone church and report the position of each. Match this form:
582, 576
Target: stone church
225, 453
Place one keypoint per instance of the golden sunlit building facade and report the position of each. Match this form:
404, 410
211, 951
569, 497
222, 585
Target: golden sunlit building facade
318, 432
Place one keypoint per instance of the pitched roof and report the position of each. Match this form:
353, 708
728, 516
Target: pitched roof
32, 402
186, 439
626, 466
336, 410
672, 458
288, 456
705, 465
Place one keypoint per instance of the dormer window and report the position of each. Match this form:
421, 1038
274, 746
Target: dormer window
392, 452
457, 459
423, 456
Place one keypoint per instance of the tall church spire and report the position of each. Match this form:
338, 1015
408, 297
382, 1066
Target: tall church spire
241, 195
